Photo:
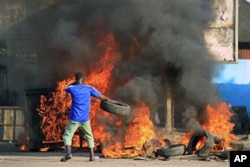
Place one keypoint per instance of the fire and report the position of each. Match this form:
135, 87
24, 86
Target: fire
24, 145
219, 125
118, 137
141, 127
139, 130
23, 141
54, 110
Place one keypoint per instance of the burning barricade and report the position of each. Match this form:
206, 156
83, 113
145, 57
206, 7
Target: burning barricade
132, 135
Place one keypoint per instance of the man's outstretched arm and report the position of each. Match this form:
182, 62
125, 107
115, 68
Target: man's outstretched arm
102, 97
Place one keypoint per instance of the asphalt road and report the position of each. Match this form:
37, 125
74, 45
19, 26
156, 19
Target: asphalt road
52, 159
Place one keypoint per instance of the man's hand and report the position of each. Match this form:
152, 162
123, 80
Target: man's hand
102, 97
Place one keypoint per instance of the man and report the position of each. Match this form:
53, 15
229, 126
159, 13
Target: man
79, 114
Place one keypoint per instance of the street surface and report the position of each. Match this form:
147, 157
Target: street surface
80, 159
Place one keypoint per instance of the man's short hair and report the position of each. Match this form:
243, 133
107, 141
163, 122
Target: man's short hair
79, 75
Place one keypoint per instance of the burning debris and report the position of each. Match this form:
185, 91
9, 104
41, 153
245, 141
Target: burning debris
134, 136
134, 53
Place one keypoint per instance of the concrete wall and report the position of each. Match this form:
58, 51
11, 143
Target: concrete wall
221, 35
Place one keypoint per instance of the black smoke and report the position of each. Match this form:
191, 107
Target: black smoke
171, 53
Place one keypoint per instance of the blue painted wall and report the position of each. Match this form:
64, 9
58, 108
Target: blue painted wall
233, 83
235, 94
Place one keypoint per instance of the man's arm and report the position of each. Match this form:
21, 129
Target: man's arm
102, 97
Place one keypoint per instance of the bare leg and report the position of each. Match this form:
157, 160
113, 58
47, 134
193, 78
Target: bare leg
68, 154
91, 155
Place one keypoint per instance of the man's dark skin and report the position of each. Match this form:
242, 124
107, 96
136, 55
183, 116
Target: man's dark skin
68, 147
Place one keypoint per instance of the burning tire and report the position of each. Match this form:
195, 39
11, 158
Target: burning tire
172, 150
195, 138
115, 107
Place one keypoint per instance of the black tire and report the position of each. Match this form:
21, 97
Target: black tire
209, 144
115, 107
193, 141
195, 138
172, 150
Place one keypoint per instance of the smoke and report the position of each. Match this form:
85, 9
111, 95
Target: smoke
176, 56
171, 52
171, 55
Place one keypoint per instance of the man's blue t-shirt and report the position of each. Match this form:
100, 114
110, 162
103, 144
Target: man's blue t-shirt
81, 98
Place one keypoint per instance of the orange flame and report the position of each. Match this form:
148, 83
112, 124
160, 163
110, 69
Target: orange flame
219, 125
116, 143
119, 137
137, 132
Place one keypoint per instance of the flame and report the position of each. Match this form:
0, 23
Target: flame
23, 147
138, 132
24, 142
219, 125
118, 137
